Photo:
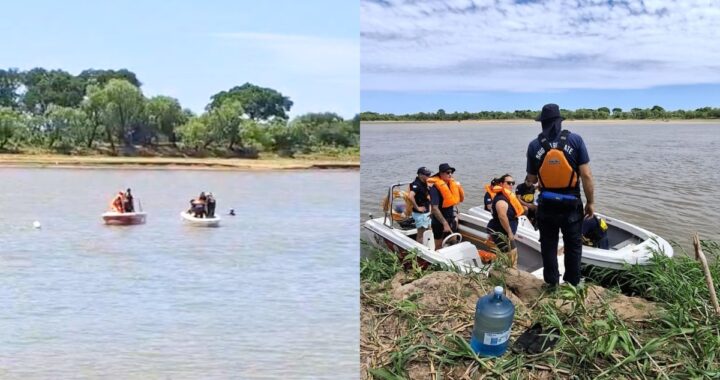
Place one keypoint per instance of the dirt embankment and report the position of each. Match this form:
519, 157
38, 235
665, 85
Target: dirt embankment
424, 319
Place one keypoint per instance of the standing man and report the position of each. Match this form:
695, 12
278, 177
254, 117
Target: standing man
129, 203
420, 199
445, 194
559, 160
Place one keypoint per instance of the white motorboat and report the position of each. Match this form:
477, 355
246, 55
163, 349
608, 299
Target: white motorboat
124, 218
629, 244
200, 222
386, 233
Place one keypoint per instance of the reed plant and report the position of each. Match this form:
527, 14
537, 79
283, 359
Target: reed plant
402, 339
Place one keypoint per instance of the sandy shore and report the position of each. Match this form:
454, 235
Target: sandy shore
530, 121
62, 161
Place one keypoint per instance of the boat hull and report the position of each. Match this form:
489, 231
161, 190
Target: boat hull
124, 219
629, 244
200, 222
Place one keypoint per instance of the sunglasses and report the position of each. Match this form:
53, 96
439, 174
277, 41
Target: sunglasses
511, 183
449, 172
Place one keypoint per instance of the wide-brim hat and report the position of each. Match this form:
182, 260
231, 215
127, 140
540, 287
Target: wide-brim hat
443, 168
549, 111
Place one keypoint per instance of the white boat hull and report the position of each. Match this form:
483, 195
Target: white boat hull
200, 222
629, 244
124, 218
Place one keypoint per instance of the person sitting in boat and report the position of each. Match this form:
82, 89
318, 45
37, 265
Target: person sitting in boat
118, 203
197, 206
210, 201
505, 208
445, 195
487, 198
526, 194
594, 232
129, 204
420, 199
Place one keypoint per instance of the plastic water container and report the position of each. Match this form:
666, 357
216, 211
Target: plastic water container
494, 315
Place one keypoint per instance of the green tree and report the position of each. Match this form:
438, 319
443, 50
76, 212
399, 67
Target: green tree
258, 103
10, 81
66, 126
122, 107
102, 77
195, 132
164, 115
43, 88
10, 123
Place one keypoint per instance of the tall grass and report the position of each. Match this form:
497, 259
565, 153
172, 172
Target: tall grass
680, 341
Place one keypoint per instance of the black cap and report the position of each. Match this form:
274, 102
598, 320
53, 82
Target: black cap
445, 167
549, 111
424, 171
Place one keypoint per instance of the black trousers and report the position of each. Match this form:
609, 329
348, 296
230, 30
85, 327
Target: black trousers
552, 219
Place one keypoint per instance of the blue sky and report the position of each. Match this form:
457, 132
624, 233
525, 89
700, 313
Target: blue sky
190, 50
505, 55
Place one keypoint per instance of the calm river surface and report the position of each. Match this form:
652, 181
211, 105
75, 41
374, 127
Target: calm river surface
661, 176
271, 294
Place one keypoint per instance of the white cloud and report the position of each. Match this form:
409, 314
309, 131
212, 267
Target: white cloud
488, 45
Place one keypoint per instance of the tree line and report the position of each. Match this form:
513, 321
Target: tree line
106, 111
602, 113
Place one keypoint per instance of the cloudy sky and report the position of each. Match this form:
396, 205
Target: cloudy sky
421, 55
191, 50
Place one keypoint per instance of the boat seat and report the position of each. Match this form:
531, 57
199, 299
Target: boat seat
623, 244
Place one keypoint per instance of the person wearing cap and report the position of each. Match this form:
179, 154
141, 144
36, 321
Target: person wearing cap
445, 195
420, 199
559, 161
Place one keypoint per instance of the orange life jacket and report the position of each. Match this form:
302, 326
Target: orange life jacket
117, 204
556, 173
452, 192
509, 195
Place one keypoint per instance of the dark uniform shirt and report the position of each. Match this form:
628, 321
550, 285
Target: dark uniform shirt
436, 200
575, 152
422, 198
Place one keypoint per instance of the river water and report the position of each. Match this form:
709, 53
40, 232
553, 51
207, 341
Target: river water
661, 176
272, 293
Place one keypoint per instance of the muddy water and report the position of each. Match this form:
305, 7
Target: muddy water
661, 176
272, 293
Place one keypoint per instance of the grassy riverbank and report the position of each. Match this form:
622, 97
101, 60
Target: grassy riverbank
264, 162
416, 323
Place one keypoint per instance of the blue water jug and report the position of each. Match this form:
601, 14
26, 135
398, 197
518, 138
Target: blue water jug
494, 315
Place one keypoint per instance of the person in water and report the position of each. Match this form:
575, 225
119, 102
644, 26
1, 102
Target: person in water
506, 209
232, 212
559, 161
526, 194
129, 204
210, 205
420, 198
445, 195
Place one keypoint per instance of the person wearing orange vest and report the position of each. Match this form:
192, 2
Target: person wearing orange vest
118, 203
505, 208
559, 161
445, 195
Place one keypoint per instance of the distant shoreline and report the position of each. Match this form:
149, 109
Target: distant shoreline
170, 163
527, 121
